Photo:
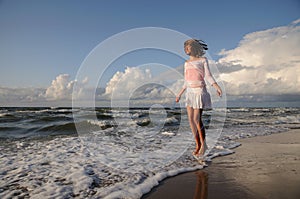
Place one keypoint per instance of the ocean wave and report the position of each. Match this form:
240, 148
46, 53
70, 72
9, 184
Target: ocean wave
67, 127
10, 132
10, 118
171, 121
143, 122
103, 124
3, 114
52, 119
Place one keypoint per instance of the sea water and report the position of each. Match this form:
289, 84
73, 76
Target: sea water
120, 153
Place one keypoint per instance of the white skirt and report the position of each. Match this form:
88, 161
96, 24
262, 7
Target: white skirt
198, 98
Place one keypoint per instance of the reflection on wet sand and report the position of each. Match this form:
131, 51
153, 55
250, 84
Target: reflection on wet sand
185, 186
201, 185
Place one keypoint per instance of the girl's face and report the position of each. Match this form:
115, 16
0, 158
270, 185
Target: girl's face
187, 50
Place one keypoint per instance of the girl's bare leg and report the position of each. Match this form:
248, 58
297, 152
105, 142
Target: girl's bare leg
198, 121
194, 129
202, 125
203, 133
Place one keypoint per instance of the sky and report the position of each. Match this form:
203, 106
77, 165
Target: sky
254, 46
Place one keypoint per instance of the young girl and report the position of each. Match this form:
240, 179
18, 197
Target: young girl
197, 97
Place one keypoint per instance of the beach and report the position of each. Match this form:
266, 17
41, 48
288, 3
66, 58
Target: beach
262, 167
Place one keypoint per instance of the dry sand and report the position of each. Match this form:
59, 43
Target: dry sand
263, 167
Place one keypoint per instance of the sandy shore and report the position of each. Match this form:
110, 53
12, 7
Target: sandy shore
263, 167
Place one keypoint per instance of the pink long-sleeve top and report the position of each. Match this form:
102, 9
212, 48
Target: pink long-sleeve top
195, 72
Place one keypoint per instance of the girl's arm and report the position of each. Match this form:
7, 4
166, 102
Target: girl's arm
207, 74
211, 79
219, 90
180, 93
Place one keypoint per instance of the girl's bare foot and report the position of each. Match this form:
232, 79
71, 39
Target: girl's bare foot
196, 151
203, 149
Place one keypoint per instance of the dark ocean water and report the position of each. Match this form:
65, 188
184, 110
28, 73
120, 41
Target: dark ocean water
41, 122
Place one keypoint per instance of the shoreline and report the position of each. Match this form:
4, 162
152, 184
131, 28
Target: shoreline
262, 167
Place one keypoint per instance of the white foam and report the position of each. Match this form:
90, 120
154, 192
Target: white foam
135, 115
168, 133
171, 120
130, 191
63, 167
234, 145
125, 163
101, 123
220, 153
3, 114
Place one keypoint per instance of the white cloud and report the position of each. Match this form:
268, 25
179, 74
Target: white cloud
122, 84
139, 87
59, 93
61, 88
297, 21
17, 96
265, 62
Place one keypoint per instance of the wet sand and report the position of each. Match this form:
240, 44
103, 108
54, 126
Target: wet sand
263, 167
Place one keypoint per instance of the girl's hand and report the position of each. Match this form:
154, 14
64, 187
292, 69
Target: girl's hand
179, 94
219, 92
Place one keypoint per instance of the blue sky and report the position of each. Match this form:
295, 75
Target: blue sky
42, 39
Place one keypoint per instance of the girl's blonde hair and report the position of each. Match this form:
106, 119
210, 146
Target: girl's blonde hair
198, 47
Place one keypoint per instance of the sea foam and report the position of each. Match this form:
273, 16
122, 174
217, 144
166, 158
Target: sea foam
120, 159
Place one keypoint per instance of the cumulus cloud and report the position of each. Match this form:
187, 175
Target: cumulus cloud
265, 62
125, 82
61, 88
138, 86
19, 96
59, 93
